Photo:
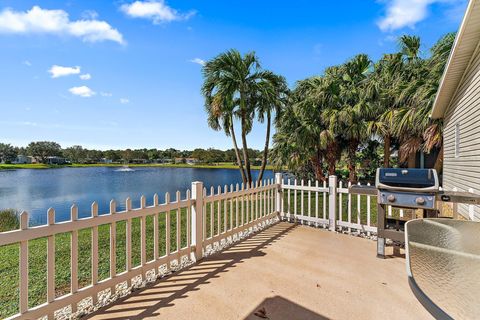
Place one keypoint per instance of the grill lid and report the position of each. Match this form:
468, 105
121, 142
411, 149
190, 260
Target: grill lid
420, 180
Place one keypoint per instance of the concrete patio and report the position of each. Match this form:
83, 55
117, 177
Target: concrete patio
284, 272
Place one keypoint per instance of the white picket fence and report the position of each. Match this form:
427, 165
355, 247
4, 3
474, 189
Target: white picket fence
331, 206
210, 218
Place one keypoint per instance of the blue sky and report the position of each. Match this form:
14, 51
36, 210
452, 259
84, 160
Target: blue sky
118, 74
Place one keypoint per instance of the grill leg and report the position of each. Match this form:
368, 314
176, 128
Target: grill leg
381, 248
396, 250
380, 227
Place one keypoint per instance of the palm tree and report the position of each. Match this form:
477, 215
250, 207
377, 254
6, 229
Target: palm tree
235, 87
383, 84
409, 47
418, 96
355, 109
352, 104
301, 138
220, 116
271, 99
347, 112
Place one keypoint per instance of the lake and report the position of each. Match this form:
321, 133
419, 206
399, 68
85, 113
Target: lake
37, 190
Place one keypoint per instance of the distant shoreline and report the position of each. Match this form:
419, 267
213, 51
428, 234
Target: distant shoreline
154, 165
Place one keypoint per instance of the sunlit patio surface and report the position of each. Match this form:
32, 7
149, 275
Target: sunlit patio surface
287, 271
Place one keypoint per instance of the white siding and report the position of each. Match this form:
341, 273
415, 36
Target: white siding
461, 167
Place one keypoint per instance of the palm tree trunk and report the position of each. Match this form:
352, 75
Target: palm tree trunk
245, 148
237, 154
387, 141
331, 157
439, 162
265, 149
317, 164
412, 159
352, 167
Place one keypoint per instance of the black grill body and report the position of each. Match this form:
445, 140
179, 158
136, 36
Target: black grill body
403, 188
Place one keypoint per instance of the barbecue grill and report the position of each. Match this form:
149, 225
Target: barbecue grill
415, 189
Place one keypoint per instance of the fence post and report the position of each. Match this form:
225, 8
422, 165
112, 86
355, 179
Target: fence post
197, 219
332, 202
279, 195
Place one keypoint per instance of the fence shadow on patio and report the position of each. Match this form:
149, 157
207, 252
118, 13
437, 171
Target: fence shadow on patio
280, 308
149, 301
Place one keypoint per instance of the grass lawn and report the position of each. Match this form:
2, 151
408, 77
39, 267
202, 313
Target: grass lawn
344, 213
313, 205
9, 255
220, 165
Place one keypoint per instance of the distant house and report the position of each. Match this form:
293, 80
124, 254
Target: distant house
21, 159
165, 160
190, 161
458, 104
105, 160
56, 160
139, 161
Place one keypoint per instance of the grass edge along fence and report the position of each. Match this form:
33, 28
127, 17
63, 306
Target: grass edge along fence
57, 265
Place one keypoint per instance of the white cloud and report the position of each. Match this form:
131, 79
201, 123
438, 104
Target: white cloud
124, 100
85, 76
407, 13
156, 10
106, 94
198, 61
38, 20
403, 13
82, 91
27, 63
59, 71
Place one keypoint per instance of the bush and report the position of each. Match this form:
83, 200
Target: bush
9, 220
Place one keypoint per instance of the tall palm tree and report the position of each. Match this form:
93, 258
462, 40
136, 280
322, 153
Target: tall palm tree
347, 116
271, 99
301, 138
409, 47
413, 75
234, 86
383, 85
220, 116
418, 96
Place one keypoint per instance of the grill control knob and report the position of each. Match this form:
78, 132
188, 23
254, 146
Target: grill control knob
420, 201
391, 198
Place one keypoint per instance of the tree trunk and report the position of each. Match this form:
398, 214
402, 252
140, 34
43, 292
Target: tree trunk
237, 154
439, 162
331, 157
352, 166
317, 163
245, 149
387, 141
265, 149
412, 160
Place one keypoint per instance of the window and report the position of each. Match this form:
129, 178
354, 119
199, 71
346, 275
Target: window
457, 140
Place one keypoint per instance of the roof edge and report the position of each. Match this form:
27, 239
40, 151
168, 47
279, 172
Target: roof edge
441, 104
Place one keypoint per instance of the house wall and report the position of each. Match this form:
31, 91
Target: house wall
462, 170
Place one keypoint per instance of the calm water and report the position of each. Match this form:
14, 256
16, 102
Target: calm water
37, 190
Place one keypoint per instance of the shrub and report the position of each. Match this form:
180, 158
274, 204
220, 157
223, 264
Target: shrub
9, 220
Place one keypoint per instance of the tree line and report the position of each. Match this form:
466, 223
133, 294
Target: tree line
357, 115
42, 150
